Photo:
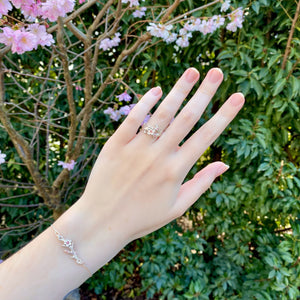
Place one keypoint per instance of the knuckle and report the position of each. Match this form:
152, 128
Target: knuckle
189, 117
171, 174
132, 120
164, 114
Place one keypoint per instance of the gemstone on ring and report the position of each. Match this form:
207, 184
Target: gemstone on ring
152, 130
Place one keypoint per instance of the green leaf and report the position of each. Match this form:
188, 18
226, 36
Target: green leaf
279, 86
255, 84
273, 60
256, 6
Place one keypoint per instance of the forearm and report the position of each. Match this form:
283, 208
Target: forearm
42, 270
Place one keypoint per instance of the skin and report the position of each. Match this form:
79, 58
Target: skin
135, 187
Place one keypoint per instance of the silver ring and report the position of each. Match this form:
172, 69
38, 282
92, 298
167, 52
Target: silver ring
152, 130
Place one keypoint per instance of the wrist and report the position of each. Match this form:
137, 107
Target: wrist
96, 235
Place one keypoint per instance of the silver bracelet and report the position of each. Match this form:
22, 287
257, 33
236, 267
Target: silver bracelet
69, 244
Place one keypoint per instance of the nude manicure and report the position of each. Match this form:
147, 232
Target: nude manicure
215, 75
191, 75
237, 99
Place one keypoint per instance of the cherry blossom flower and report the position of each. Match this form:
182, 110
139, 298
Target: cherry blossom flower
183, 41
139, 13
162, 31
52, 9
43, 38
2, 158
206, 27
7, 36
31, 11
23, 41
193, 25
124, 97
5, 6
237, 19
108, 43
70, 166
225, 6
171, 38
115, 41
105, 44
19, 3
218, 21
132, 2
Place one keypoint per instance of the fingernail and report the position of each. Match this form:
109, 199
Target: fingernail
156, 91
214, 75
237, 99
222, 169
191, 75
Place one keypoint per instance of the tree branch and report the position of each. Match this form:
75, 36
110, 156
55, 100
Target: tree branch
288, 46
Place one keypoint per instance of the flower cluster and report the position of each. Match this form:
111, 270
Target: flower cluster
31, 9
131, 2
70, 166
26, 37
2, 158
108, 43
205, 26
116, 114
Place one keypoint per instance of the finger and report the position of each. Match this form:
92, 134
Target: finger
168, 108
191, 190
192, 112
128, 129
195, 146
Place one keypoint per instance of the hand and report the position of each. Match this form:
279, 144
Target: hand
136, 184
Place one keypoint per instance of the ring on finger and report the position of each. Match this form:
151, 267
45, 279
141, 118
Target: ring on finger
154, 131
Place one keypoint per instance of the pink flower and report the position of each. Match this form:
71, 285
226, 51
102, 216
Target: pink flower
124, 97
108, 43
23, 41
237, 19
69, 166
40, 32
218, 21
20, 3
225, 6
105, 44
52, 9
171, 38
183, 42
139, 13
125, 110
113, 114
81, 1
7, 36
5, 6
162, 31
132, 2
31, 11
115, 41
206, 27
2, 158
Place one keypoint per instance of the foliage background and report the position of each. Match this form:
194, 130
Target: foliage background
241, 240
